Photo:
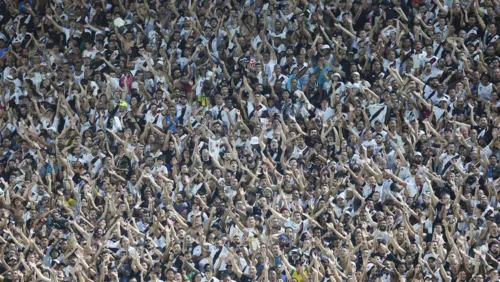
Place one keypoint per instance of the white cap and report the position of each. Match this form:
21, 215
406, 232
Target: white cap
326, 46
428, 256
443, 99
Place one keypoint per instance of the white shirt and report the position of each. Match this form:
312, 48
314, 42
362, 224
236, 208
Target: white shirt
368, 143
213, 279
91, 53
130, 250
269, 68
216, 110
300, 153
444, 159
191, 214
296, 226
367, 190
229, 117
388, 64
251, 108
155, 118
434, 73
485, 91
70, 32
214, 250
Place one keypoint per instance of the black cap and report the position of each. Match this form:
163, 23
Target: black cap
485, 74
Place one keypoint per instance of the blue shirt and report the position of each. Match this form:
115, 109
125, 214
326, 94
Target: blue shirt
321, 77
172, 126
3, 51
289, 82
277, 260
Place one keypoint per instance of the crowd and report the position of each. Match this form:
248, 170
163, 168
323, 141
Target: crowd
249, 141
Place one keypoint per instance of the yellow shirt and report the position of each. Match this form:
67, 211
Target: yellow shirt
71, 202
298, 276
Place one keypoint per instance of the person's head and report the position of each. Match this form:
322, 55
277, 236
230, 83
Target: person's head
297, 217
383, 224
252, 271
208, 273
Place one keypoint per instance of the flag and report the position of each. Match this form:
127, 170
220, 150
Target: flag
377, 112
438, 113
214, 147
447, 162
78, 205
194, 122
117, 124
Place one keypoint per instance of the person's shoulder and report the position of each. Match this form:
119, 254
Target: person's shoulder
246, 277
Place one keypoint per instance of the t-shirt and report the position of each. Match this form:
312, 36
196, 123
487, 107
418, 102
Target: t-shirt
70, 33
213, 279
246, 278
321, 77
368, 190
484, 91
296, 227
298, 276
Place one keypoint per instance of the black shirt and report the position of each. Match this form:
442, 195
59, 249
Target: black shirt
275, 155
169, 155
246, 278
310, 142
373, 76
477, 27
488, 136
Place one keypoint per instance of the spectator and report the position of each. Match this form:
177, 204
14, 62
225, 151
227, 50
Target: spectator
249, 141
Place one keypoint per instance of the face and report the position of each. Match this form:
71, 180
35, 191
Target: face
252, 271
